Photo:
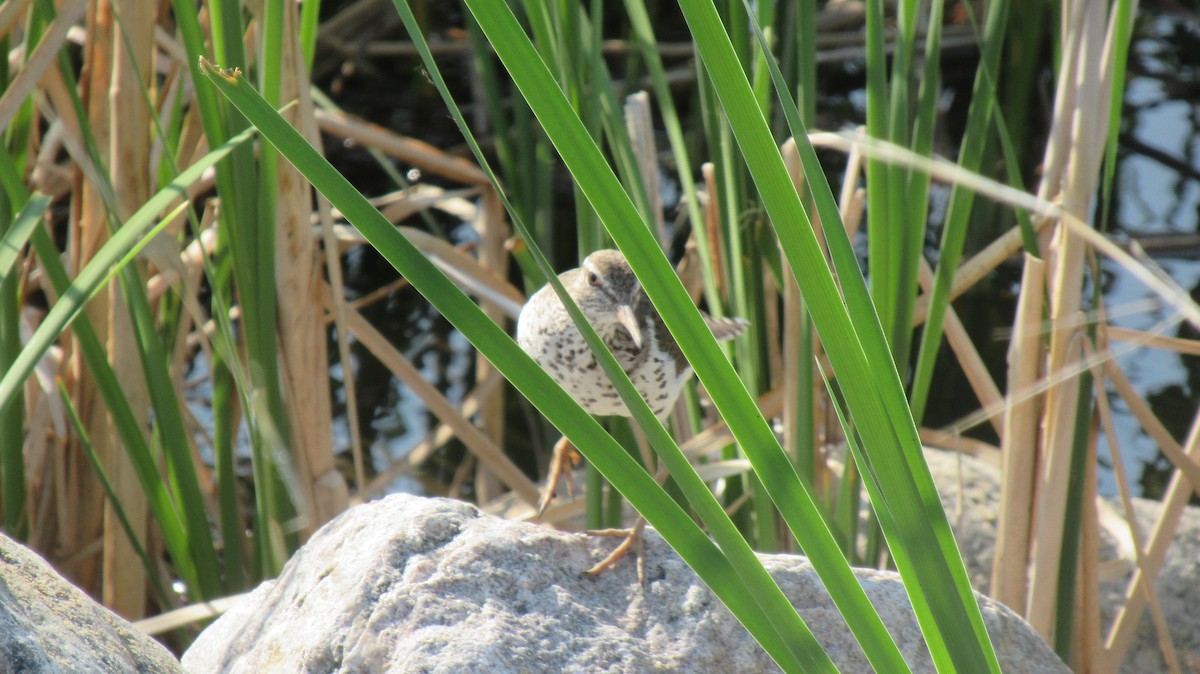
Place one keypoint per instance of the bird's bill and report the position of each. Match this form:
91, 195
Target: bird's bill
627, 318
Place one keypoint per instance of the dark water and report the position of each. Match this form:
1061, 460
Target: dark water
1156, 192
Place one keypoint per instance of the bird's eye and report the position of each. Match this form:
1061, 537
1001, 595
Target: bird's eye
593, 279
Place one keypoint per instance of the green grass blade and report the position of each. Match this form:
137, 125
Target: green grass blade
1122, 30
1068, 565
131, 235
246, 220
878, 225
20, 230
954, 233
492, 341
113, 499
665, 291
16, 232
934, 574
310, 16
175, 537
169, 424
113, 260
906, 218
643, 32
735, 594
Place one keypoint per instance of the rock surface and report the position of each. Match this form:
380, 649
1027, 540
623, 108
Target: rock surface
410, 584
49, 625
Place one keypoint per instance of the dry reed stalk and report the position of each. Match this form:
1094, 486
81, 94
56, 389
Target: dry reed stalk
793, 395
1088, 633
968, 356
402, 204
62, 108
1142, 269
1151, 424
176, 53
38, 63
301, 333
712, 227
374, 296
978, 266
46, 433
129, 157
1054, 461
464, 270
333, 267
1073, 160
414, 152
193, 144
1180, 345
187, 615
1019, 443
1178, 492
641, 136
1135, 534
191, 261
794, 320
48, 176
493, 232
12, 14
479, 444
83, 514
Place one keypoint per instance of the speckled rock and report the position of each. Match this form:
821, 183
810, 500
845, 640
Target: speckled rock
410, 584
49, 625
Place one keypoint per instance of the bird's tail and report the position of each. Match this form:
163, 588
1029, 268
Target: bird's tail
726, 328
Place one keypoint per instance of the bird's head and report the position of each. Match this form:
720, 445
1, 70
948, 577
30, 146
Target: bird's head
612, 289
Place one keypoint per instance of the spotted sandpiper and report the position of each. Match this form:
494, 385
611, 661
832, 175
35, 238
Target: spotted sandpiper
613, 301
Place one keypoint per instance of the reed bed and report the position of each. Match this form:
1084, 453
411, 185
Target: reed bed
160, 231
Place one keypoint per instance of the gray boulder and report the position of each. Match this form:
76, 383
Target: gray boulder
410, 584
49, 625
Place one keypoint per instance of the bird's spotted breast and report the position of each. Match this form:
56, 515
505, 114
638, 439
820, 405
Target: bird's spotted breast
606, 290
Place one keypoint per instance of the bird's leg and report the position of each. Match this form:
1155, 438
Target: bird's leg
633, 540
565, 456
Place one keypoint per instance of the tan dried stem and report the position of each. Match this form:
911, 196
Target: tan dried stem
1018, 444
492, 228
1126, 494
1178, 492
298, 287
